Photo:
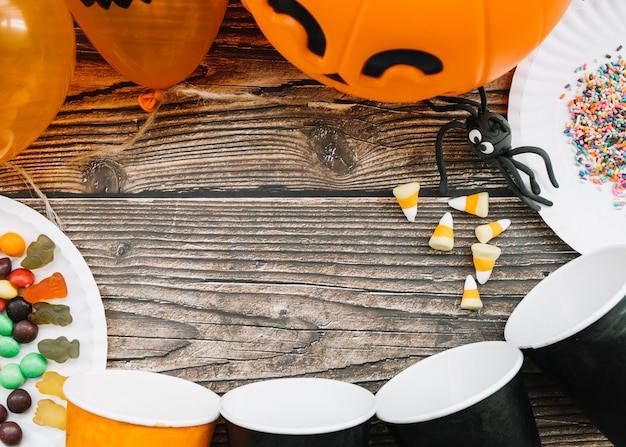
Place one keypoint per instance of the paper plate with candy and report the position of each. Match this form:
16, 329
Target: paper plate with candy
567, 97
52, 325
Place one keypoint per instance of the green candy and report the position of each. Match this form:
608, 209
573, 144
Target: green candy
33, 365
6, 325
8, 346
11, 376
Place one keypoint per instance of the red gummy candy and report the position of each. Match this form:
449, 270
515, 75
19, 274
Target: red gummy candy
48, 288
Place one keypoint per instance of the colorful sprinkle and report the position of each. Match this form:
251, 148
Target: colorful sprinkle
597, 127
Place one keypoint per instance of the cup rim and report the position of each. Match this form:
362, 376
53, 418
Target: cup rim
394, 387
520, 313
231, 415
74, 386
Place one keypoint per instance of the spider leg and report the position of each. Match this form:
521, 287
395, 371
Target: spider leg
456, 106
512, 183
443, 181
543, 154
509, 164
530, 173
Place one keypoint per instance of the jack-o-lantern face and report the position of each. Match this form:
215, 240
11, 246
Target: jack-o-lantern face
405, 50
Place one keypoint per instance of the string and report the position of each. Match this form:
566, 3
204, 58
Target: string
50, 213
152, 102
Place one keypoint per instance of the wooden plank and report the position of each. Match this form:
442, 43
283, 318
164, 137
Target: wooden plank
228, 291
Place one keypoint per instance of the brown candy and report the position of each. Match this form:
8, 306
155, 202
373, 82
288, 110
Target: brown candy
10, 433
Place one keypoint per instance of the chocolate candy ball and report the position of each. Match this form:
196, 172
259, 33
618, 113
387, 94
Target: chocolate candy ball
24, 331
4, 413
18, 309
10, 433
5, 267
18, 401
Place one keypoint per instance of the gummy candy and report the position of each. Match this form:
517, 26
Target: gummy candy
39, 253
59, 349
46, 313
50, 414
52, 383
53, 286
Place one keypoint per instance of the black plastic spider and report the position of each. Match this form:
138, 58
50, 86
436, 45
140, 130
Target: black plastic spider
489, 135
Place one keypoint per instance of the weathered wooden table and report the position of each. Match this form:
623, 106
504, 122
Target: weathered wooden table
240, 240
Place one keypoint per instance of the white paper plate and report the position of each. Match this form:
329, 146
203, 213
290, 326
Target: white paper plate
583, 214
88, 325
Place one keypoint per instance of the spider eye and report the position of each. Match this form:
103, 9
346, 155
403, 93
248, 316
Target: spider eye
475, 136
486, 148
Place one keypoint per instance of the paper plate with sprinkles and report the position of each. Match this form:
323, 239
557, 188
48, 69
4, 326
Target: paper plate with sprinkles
569, 97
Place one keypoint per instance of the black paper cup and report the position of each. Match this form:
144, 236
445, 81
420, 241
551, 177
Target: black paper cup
472, 395
298, 412
572, 325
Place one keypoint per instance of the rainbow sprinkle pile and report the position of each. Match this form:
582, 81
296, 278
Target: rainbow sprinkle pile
597, 126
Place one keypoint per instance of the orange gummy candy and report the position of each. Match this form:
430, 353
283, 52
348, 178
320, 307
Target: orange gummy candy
48, 288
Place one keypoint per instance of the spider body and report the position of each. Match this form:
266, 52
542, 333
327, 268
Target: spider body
489, 136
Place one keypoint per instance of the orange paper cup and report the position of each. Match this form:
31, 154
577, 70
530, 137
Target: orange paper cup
125, 408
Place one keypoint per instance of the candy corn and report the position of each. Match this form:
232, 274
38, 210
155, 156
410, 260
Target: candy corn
484, 233
485, 257
471, 297
443, 236
477, 204
407, 196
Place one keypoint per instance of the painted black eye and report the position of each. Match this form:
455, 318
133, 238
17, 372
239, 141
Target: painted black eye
316, 38
475, 137
486, 148
378, 63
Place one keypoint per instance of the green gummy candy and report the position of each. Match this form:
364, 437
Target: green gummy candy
8, 346
39, 253
11, 376
59, 349
6, 325
33, 365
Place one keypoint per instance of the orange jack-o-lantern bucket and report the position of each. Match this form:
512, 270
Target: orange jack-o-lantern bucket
405, 50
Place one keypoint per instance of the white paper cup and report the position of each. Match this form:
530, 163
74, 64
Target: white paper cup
470, 396
298, 412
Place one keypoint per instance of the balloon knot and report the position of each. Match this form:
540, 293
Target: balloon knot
150, 101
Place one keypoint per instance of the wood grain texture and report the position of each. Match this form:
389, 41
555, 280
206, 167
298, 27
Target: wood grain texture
240, 240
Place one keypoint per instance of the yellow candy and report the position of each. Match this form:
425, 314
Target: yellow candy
7, 290
52, 383
50, 414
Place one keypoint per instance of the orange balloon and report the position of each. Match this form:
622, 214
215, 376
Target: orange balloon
154, 43
37, 59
